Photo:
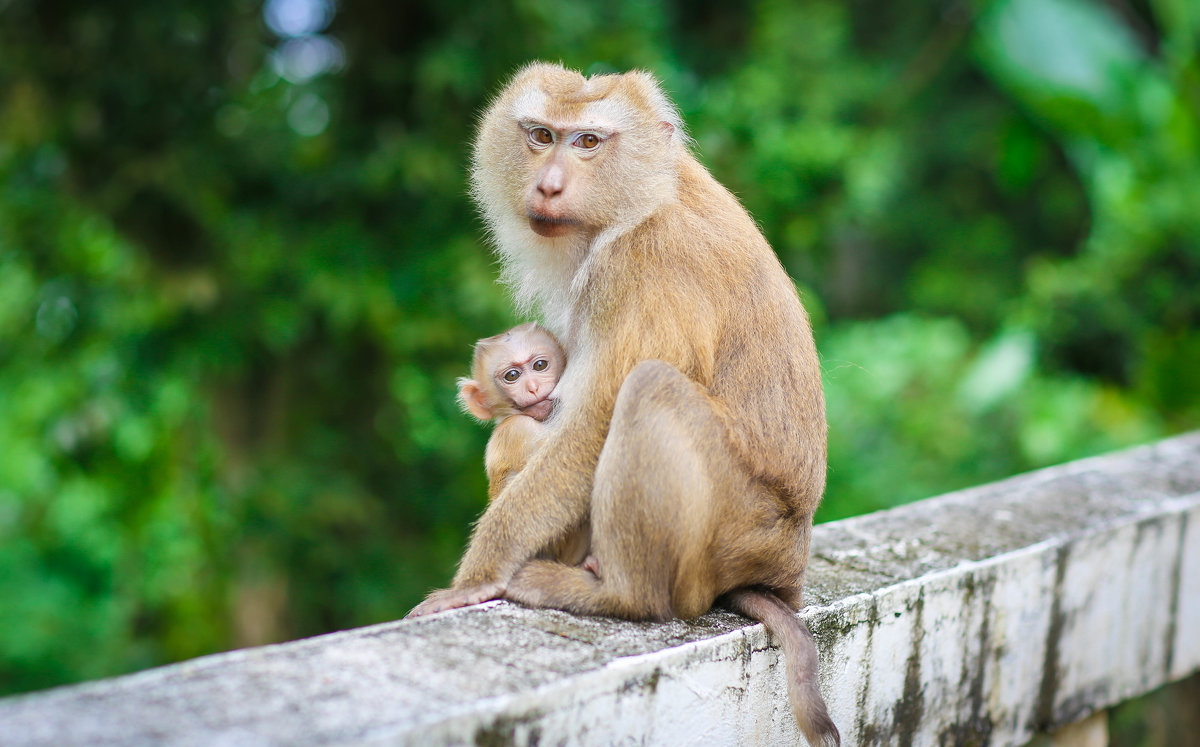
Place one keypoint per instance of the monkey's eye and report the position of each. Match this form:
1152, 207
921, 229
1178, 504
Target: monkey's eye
511, 375
587, 140
541, 136
541, 364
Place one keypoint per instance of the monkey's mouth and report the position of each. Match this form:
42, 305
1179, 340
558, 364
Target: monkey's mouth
550, 227
539, 410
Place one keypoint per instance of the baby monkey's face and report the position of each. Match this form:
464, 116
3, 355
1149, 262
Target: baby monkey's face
528, 376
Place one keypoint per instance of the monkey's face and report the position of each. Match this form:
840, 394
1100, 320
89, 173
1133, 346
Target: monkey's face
562, 160
527, 373
560, 156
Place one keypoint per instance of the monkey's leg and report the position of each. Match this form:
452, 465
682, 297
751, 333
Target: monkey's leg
661, 521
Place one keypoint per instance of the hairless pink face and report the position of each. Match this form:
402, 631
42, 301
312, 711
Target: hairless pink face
528, 376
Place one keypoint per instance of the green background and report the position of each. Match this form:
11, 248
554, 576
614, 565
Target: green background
239, 273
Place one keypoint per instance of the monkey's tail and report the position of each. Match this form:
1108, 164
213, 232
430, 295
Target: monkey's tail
800, 653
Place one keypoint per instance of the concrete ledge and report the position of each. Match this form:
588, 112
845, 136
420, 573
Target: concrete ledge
978, 617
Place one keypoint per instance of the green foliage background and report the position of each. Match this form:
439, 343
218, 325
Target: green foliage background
235, 291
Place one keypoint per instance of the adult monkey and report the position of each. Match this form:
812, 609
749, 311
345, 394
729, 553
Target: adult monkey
690, 429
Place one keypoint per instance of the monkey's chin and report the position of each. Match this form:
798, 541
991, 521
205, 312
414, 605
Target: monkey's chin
551, 228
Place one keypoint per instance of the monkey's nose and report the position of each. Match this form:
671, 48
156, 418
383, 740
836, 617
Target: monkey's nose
551, 183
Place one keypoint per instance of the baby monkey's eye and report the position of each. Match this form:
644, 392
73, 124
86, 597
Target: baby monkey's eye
511, 375
541, 364
541, 136
588, 140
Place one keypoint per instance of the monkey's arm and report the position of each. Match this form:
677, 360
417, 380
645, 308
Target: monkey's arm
539, 505
544, 500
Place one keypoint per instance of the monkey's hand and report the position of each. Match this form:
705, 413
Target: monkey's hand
449, 599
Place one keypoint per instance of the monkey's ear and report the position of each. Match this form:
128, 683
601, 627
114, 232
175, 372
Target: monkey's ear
473, 399
667, 128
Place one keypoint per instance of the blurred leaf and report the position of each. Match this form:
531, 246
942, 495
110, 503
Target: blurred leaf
1072, 60
999, 370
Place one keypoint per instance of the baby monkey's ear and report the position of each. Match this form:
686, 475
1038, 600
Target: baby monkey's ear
473, 400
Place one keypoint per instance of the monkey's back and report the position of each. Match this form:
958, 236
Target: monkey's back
765, 369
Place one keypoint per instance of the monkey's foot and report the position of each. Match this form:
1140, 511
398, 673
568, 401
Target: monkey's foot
449, 599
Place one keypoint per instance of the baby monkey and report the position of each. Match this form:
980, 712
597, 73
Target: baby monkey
516, 373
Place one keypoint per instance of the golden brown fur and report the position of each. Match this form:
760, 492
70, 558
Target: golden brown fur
513, 441
690, 434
